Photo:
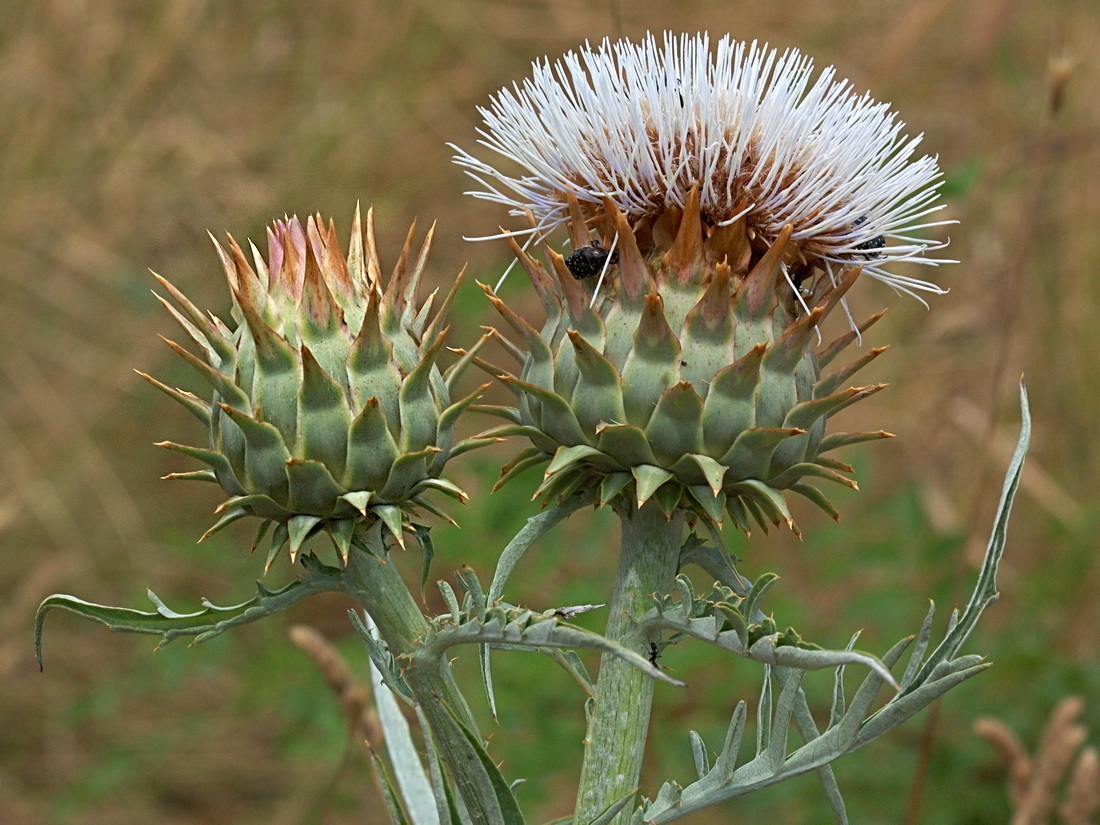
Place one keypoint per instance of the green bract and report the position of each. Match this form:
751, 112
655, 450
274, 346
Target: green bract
329, 411
691, 378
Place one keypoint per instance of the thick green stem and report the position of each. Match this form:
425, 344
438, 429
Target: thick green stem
619, 723
379, 588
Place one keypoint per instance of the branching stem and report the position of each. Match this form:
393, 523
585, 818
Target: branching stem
379, 588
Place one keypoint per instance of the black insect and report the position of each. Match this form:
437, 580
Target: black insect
802, 280
654, 653
589, 261
877, 242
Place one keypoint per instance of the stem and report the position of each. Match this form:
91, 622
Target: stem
619, 722
379, 588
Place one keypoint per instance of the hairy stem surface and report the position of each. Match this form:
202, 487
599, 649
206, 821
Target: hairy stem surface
619, 723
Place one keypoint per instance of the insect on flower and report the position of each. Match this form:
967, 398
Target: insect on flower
742, 197
877, 242
589, 261
765, 142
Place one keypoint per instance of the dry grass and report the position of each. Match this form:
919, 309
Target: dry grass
129, 128
353, 695
1063, 777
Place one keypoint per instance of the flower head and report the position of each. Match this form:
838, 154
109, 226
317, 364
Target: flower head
719, 206
642, 124
329, 412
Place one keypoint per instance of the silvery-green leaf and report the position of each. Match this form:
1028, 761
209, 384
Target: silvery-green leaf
985, 590
412, 780
764, 714
573, 665
766, 650
475, 597
452, 601
717, 563
525, 628
699, 754
916, 658
501, 807
687, 593
389, 793
381, 659
449, 806
807, 729
837, 709
204, 624
727, 759
759, 588
781, 720
896, 712
532, 530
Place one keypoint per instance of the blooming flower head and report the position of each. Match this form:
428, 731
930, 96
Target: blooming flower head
719, 206
643, 123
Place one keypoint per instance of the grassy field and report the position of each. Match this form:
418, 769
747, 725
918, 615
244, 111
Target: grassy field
129, 128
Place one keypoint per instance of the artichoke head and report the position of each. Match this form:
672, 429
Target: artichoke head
329, 412
687, 376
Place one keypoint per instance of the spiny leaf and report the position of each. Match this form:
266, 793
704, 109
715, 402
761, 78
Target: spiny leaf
985, 589
493, 787
189, 401
675, 426
389, 794
612, 485
230, 516
394, 519
310, 487
205, 624
380, 658
535, 527
836, 440
446, 802
527, 629
565, 456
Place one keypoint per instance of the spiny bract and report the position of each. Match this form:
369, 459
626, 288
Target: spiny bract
689, 380
329, 411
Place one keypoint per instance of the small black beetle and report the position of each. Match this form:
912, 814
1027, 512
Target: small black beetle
588, 261
877, 242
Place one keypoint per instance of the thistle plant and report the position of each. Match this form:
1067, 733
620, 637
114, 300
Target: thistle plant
735, 203
719, 206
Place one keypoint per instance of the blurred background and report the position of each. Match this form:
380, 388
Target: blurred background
128, 129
